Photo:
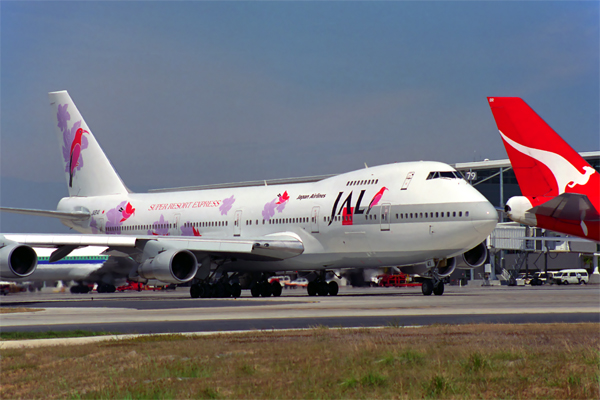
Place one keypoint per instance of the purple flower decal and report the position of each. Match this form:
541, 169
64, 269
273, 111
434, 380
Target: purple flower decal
160, 227
277, 204
227, 204
63, 116
269, 210
188, 230
113, 219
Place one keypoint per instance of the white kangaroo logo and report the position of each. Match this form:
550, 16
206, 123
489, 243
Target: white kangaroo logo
564, 172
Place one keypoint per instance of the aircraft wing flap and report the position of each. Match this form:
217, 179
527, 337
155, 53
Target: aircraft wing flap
568, 206
275, 248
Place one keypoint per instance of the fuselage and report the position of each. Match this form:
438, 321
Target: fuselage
379, 216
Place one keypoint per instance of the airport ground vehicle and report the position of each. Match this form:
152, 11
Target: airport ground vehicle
396, 280
543, 278
300, 282
571, 276
283, 279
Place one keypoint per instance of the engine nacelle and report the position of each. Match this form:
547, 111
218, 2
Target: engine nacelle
476, 256
17, 261
171, 266
445, 268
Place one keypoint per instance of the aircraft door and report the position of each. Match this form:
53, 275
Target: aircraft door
385, 216
237, 223
177, 222
314, 220
100, 224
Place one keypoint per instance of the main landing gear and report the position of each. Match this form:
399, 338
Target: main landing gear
265, 289
221, 289
320, 287
435, 286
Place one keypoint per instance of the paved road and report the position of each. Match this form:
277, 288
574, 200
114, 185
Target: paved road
162, 312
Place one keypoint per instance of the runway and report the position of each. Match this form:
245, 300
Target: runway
170, 312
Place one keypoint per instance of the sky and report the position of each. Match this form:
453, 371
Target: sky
193, 93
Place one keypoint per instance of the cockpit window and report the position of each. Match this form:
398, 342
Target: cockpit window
444, 174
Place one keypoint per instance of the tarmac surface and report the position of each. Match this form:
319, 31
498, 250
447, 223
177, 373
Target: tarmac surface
176, 312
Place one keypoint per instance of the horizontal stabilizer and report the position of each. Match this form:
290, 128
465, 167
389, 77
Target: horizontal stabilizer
568, 206
73, 216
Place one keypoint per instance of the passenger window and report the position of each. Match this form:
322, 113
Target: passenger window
436, 214
460, 213
454, 213
421, 215
466, 214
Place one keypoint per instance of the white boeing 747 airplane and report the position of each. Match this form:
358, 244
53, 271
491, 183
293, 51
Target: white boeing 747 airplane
419, 216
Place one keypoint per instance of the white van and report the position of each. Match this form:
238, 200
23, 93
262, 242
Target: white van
572, 276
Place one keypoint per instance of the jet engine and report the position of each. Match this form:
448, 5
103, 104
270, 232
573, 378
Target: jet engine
445, 268
476, 256
17, 261
171, 266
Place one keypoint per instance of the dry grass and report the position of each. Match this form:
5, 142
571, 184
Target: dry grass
471, 361
10, 310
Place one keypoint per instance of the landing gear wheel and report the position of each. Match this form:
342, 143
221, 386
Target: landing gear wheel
427, 287
195, 291
333, 288
322, 289
205, 291
276, 289
255, 290
265, 289
236, 290
312, 288
438, 289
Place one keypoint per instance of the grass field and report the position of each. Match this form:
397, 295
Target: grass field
549, 361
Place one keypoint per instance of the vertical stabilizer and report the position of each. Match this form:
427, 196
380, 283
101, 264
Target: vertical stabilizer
545, 165
87, 170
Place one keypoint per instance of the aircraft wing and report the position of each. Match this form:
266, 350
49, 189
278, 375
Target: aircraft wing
271, 247
568, 206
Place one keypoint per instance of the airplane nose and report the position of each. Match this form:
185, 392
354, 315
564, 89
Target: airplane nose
486, 219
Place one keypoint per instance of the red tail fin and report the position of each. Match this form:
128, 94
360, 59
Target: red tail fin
545, 165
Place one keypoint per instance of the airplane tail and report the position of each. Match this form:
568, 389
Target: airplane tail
87, 169
544, 164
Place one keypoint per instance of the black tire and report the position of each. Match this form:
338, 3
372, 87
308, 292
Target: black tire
74, 289
265, 289
565, 283
312, 288
205, 290
438, 289
236, 290
195, 291
276, 289
333, 288
322, 289
255, 290
427, 287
